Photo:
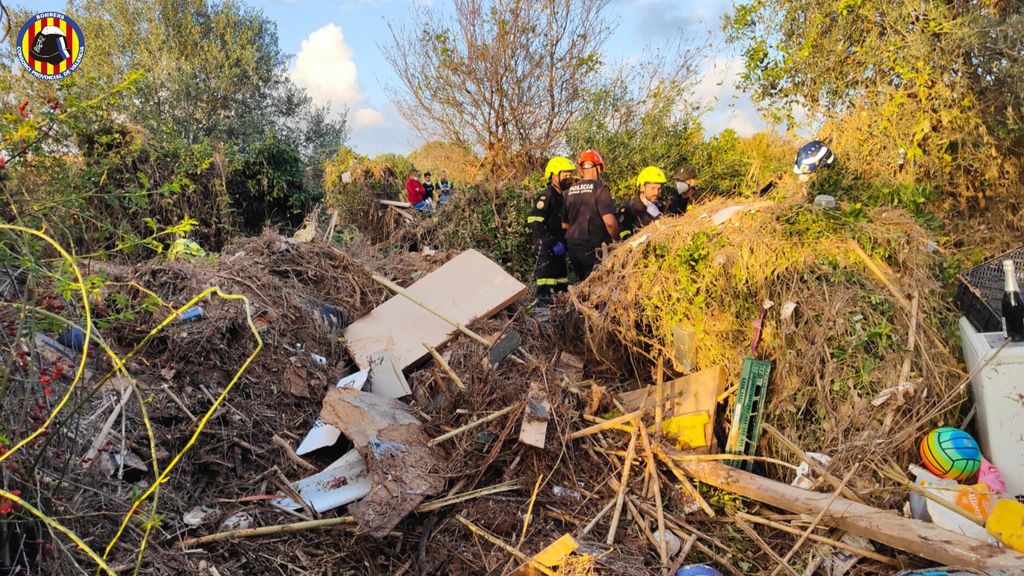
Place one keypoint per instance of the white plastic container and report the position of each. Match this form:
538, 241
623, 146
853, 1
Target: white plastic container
999, 395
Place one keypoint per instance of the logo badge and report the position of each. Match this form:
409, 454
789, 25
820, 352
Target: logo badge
51, 45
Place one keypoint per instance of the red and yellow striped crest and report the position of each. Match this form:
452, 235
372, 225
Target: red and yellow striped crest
51, 45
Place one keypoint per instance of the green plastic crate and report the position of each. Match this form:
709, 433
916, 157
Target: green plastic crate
746, 418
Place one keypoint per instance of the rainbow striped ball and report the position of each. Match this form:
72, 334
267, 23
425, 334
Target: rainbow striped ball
950, 453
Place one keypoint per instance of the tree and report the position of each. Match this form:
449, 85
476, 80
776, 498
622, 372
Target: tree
505, 77
641, 115
905, 90
459, 160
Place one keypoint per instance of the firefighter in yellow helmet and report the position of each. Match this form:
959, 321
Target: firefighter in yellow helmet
644, 207
545, 223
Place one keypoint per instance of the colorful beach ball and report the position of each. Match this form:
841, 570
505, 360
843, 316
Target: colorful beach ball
950, 453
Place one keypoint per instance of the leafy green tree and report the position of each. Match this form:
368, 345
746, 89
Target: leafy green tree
905, 90
268, 186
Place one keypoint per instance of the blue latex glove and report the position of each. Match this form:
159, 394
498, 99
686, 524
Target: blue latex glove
558, 249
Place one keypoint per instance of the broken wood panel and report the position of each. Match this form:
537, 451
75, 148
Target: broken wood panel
466, 288
913, 536
697, 392
536, 414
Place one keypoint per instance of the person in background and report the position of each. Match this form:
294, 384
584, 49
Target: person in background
444, 186
545, 223
414, 191
588, 217
428, 187
681, 194
644, 207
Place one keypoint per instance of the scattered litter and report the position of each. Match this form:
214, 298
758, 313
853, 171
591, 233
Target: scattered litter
237, 521
970, 500
318, 359
535, 417
403, 468
824, 202
198, 516
672, 542
134, 469
344, 481
805, 476
1006, 524
551, 556
324, 435
386, 377
73, 339
193, 314
562, 492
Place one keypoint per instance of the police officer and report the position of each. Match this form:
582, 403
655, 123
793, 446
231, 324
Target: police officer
589, 215
545, 222
644, 207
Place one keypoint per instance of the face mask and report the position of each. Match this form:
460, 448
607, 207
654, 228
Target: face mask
682, 187
564, 184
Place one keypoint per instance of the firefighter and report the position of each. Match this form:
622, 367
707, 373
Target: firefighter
644, 207
545, 222
588, 217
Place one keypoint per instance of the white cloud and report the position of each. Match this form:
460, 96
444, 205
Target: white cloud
367, 117
325, 66
730, 107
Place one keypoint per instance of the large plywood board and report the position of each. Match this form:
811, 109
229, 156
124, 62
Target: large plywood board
697, 392
468, 287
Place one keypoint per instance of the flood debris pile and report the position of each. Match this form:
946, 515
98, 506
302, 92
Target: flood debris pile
742, 387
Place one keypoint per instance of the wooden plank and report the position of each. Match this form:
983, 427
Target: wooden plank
697, 392
913, 536
536, 414
466, 288
386, 378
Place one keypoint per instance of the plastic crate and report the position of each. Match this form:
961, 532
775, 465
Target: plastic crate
746, 418
980, 292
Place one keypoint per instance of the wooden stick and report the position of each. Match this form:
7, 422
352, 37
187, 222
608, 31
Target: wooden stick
656, 485
264, 531
817, 519
821, 539
622, 484
284, 445
814, 464
659, 407
607, 508
683, 553
874, 268
457, 498
764, 545
642, 522
907, 359
497, 542
529, 511
474, 424
919, 538
687, 486
404, 293
444, 365
611, 423
719, 560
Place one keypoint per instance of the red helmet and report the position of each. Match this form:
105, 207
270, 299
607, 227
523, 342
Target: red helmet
593, 157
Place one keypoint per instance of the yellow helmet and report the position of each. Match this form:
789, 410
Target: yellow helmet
558, 164
650, 174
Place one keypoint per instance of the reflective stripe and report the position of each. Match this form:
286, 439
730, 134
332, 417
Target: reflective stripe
625, 233
532, 219
551, 281
562, 280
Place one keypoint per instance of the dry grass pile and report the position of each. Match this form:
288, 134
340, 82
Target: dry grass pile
836, 335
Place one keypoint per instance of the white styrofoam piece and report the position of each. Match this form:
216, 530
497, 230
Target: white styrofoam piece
343, 482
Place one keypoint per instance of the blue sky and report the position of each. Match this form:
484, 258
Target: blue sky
335, 51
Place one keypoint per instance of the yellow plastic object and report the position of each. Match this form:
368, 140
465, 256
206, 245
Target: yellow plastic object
688, 429
1006, 524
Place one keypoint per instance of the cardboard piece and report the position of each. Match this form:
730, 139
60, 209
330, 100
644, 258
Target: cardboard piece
697, 392
535, 417
403, 468
386, 378
466, 288
323, 435
343, 482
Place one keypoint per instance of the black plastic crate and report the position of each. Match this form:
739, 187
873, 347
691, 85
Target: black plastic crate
980, 292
